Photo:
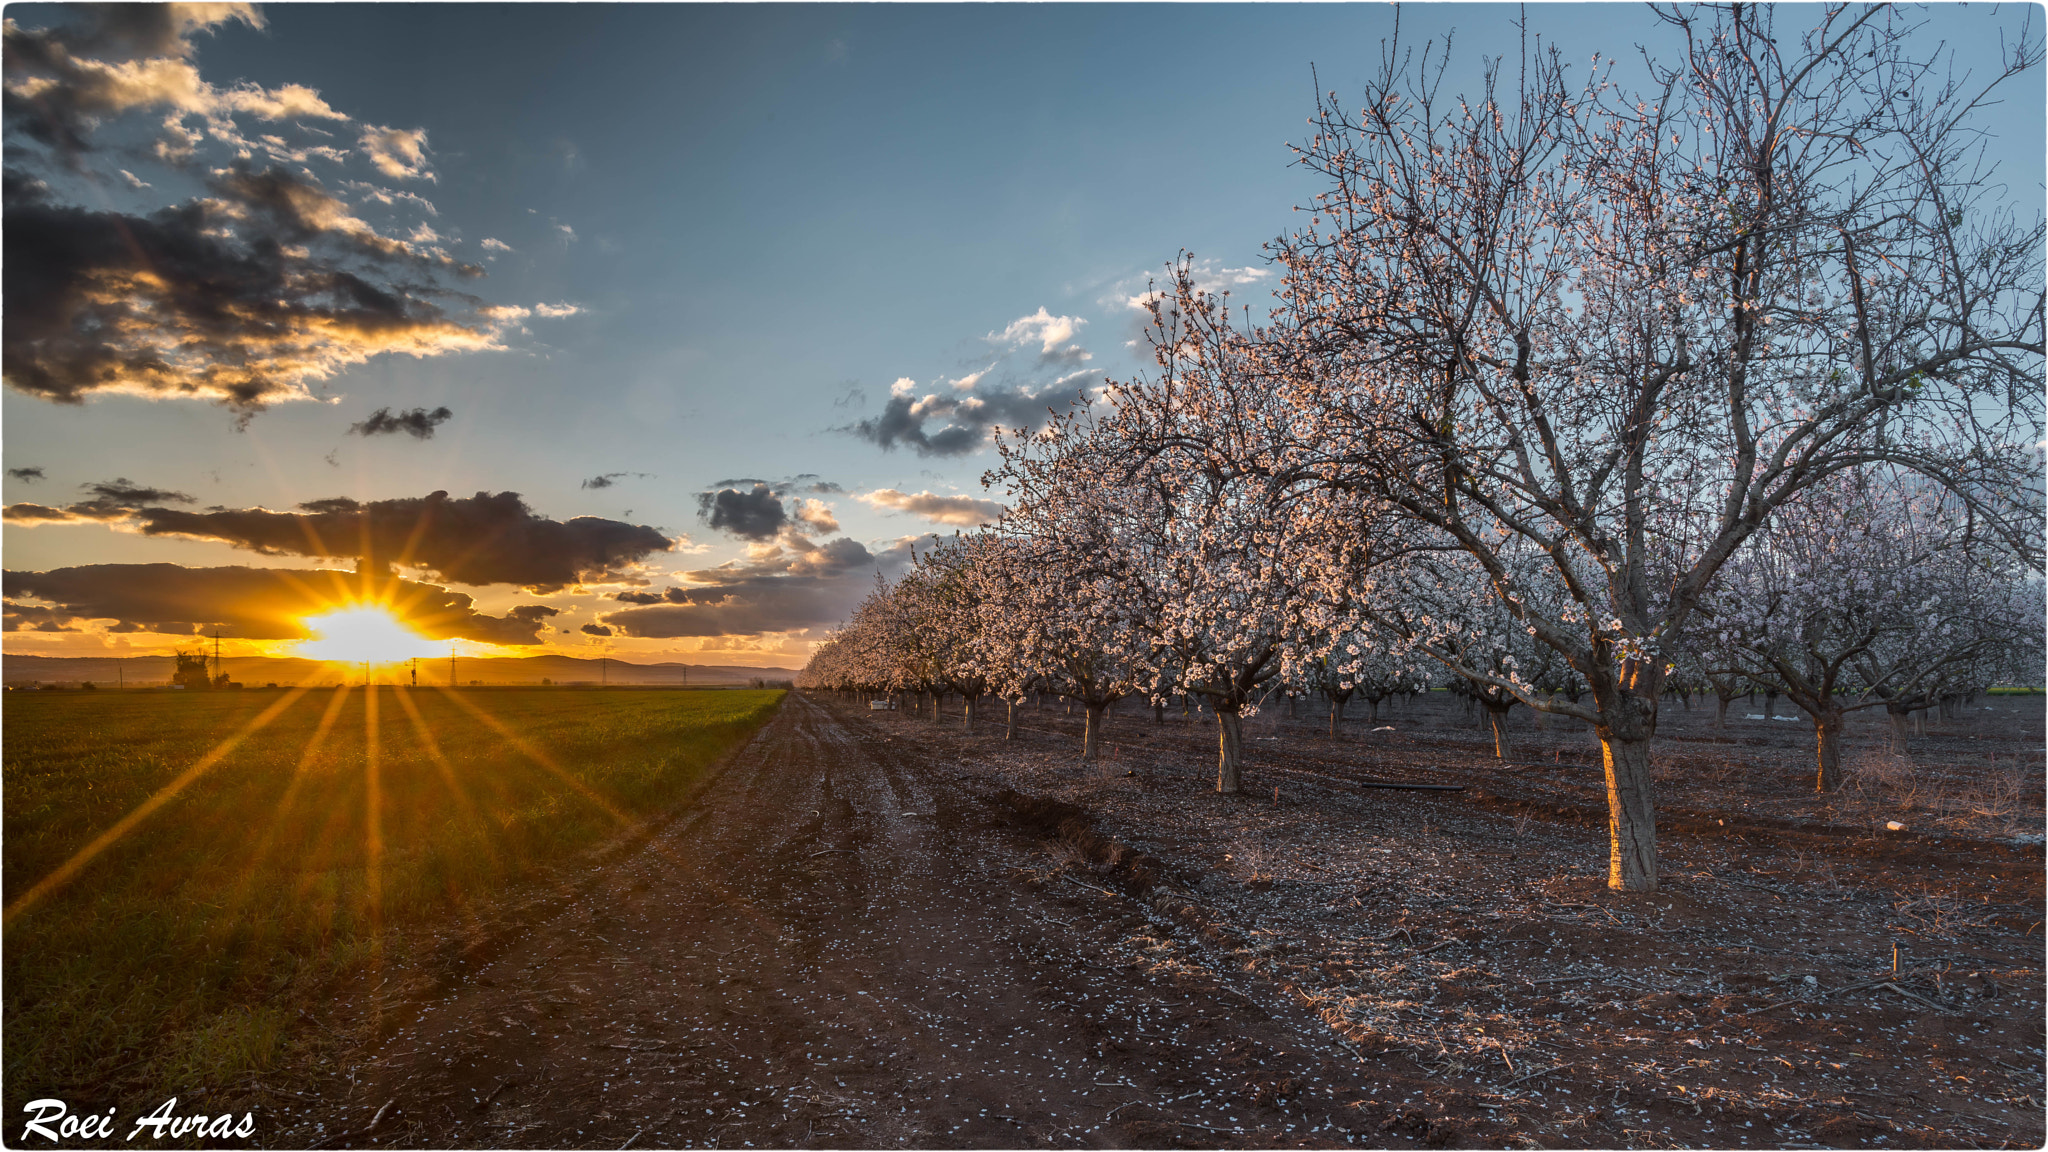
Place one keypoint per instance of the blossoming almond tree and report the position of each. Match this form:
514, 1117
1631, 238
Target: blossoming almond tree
1206, 552
1621, 330
1055, 584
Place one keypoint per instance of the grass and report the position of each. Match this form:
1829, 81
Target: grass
179, 957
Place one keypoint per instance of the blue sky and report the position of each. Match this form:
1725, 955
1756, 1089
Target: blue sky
751, 222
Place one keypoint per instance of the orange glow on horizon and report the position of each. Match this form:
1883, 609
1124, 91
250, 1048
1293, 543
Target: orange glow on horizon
365, 634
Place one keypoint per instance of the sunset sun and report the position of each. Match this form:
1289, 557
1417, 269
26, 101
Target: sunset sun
356, 635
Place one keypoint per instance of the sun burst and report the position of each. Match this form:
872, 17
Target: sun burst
365, 634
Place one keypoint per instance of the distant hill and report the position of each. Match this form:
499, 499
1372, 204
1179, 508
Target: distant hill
144, 671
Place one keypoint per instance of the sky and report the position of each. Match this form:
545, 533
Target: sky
649, 330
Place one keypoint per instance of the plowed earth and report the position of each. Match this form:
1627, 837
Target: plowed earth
873, 930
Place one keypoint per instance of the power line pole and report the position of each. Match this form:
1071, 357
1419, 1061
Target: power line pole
451, 669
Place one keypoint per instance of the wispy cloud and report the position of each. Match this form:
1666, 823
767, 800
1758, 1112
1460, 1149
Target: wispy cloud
960, 511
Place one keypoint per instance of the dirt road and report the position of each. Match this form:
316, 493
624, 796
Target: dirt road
841, 943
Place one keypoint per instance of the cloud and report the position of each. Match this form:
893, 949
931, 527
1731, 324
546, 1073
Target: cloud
417, 423
556, 311
963, 420
963, 511
608, 479
108, 59
32, 618
116, 499
816, 517
251, 603
30, 475
787, 591
568, 233
372, 194
244, 296
493, 245
483, 539
595, 630
1053, 334
399, 153
754, 515
953, 417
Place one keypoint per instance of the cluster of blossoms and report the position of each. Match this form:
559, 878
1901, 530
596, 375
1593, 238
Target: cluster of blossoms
1560, 389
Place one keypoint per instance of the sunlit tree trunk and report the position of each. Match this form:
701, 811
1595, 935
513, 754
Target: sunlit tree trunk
1624, 728
967, 711
1229, 752
1497, 721
1010, 728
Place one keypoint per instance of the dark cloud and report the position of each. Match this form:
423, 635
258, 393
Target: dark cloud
595, 630
417, 423
533, 613
30, 475
483, 539
252, 603
125, 493
245, 296
116, 499
58, 82
755, 515
30, 618
795, 590
956, 423
609, 479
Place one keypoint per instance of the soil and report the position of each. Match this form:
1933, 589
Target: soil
873, 930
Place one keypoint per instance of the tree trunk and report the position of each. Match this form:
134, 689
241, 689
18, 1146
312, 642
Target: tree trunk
1631, 814
1091, 736
1898, 716
1010, 729
967, 712
937, 697
1336, 713
1770, 705
1372, 711
1497, 719
1158, 713
1625, 725
1229, 753
1827, 729
1721, 713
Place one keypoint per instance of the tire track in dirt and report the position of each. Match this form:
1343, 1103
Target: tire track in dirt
833, 948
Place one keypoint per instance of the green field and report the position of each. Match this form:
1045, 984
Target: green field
181, 954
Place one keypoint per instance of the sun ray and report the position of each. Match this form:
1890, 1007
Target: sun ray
104, 840
738, 901
373, 823
544, 760
314, 743
432, 747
